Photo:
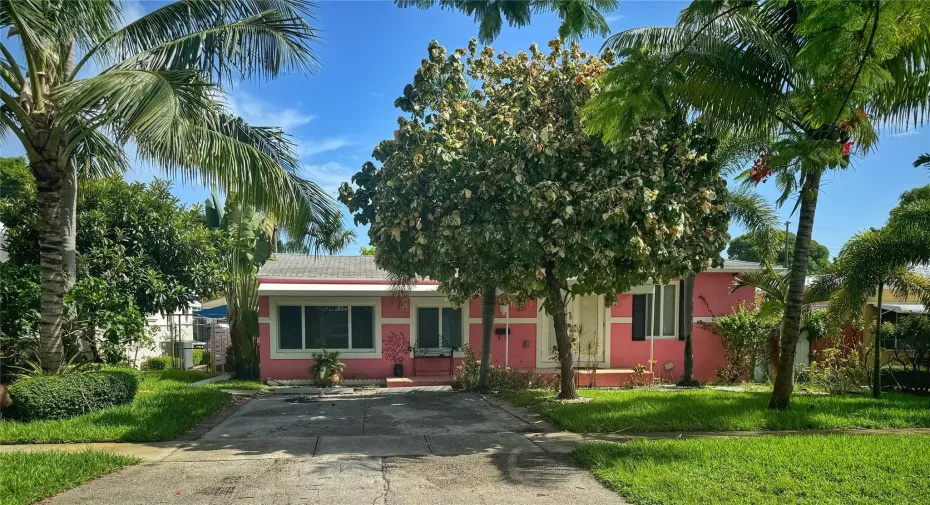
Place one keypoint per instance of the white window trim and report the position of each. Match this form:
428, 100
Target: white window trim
543, 357
439, 303
275, 341
651, 315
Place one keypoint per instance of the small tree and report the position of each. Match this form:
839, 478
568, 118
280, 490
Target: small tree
548, 210
744, 248
744, 334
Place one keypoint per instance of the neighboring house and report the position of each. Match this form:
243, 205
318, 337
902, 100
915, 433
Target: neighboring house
172, 335
893, 310
344, 303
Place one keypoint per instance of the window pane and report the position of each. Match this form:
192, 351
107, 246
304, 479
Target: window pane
668, 311
452, 327
657, 311
428, 327
327, 327
363, 327
289, 331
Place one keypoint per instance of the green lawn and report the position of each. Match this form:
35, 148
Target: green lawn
26, 477
238, 384
165, 407
792, 470
705, 409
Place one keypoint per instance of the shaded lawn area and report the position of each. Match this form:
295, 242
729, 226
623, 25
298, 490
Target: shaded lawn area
790, 470
712, 410
26, 477
165, 407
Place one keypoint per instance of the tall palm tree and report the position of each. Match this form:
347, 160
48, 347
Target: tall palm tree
158, 87
808, 80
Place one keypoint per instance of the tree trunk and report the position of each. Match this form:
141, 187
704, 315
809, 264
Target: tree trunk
784, 379
51, 350
488, 300
555, 305
877, 364
687, 378
68, 215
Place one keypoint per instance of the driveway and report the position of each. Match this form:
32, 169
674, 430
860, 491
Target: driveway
381, 448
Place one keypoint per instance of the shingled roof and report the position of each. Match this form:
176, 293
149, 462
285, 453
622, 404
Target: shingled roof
299, 266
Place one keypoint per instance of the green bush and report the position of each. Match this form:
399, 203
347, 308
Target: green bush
502, 379
72, 394
838, 371
159, 363
202, 357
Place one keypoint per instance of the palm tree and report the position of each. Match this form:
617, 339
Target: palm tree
877, 259
579, 17
922, 161
159, 88
808, 81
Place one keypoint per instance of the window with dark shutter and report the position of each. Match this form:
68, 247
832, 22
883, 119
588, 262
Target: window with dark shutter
639, 317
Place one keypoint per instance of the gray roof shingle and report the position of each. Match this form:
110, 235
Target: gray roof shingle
299, 266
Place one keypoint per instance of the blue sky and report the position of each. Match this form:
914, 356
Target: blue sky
371, 50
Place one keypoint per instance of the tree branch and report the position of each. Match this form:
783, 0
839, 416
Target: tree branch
865, 56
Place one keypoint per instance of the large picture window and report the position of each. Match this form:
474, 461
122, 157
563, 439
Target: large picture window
338, 327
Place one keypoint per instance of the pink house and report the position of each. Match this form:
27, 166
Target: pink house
344, 303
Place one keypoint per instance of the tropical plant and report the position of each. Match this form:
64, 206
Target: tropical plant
579, 17
326, 369
744, 333
248, 236
880, 259
911, 335
502, 187
774, 287
368, 250
744, 247
159, 87
807, 81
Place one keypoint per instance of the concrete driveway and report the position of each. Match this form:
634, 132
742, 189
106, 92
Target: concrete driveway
381, 448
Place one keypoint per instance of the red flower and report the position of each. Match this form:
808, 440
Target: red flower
578, 79
847, 147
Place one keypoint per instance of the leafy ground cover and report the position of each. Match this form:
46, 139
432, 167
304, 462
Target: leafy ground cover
638, 410
166, 406
238, 384
31, 476
789, 470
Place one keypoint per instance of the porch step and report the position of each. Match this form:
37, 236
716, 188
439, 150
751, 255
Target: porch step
406, 382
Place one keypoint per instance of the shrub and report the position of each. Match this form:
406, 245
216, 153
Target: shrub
326, 368
159, 363
502, 379
72, 394
202, 357
744, 334
837, 372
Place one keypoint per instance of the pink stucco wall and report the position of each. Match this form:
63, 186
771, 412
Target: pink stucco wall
714, 287
523, 342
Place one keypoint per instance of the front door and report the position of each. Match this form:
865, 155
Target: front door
586, 317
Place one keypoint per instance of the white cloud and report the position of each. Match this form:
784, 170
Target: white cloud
613, 17
312, 147
328, 175
258, 112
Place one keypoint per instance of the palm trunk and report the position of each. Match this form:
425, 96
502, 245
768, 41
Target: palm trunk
51, 350
68, 215
784, 380
877, 364
487, 324
555, 305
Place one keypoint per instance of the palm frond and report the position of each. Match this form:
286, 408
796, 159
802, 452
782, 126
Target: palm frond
97, 156
758, 217
248, 38
922, 161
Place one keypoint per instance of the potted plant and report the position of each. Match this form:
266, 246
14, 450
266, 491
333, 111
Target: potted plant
327, 369
397, 349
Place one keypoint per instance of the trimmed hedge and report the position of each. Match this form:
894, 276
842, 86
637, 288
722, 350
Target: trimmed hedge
72, 394
157, 364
